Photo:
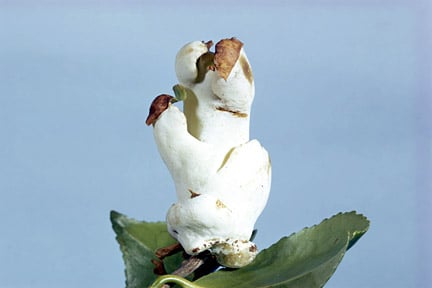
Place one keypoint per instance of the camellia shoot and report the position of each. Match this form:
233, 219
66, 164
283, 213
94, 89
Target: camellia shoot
222, 178
222, 181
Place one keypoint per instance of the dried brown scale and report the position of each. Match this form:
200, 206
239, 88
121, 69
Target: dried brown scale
169, 250
187, 267
193, 194
159, 105
227, 54
159, 268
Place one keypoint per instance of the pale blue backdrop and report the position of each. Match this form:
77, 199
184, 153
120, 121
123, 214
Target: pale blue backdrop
342, 104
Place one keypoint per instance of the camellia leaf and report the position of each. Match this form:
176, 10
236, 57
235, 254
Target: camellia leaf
138, 243
305, 259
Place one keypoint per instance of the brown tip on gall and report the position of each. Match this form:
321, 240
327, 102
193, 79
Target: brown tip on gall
159, 105
226, 55
193, 194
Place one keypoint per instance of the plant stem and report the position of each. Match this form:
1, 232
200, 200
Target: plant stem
187, 267
163, 281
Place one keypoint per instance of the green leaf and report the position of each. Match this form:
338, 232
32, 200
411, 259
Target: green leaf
305, 259
138, 243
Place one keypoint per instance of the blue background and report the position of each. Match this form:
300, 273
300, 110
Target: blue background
343, 105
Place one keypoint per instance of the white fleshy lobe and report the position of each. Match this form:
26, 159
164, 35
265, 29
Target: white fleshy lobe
222, 178
187, 73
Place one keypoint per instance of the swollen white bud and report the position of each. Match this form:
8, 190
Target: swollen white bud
222, 178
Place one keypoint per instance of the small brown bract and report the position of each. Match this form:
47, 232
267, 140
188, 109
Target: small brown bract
159, 105
193, 194
227, 54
